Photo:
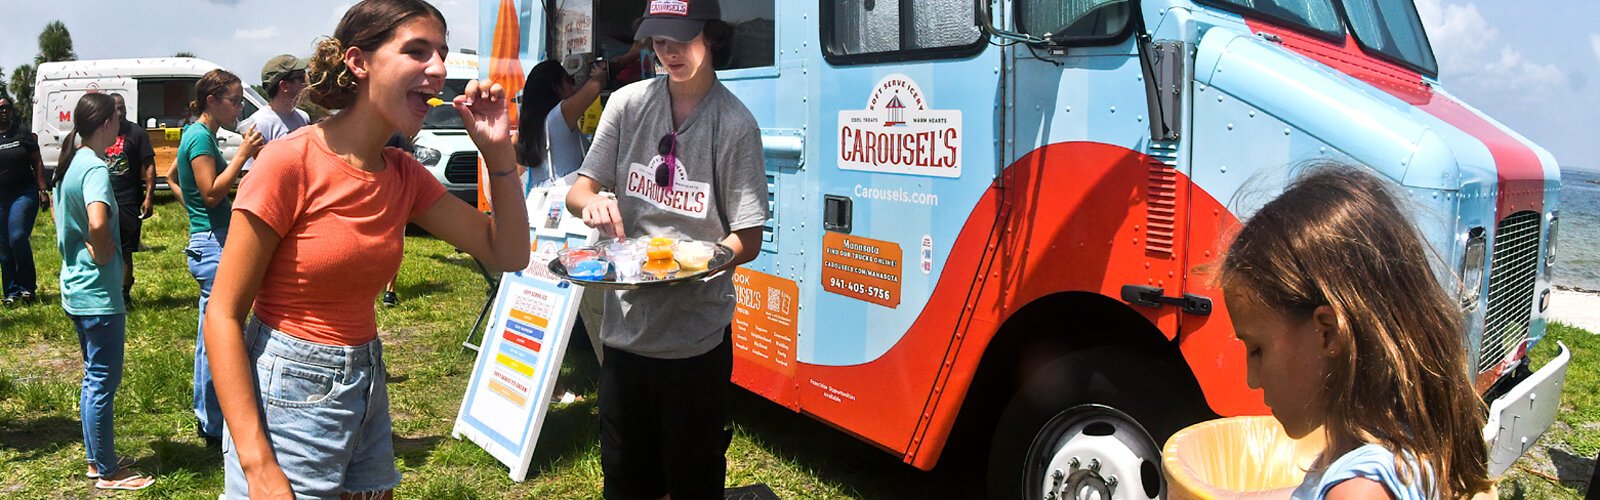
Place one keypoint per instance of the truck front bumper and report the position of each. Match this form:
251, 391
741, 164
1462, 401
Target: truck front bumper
1518, 417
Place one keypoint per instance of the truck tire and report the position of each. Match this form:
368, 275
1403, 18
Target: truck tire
1089, 425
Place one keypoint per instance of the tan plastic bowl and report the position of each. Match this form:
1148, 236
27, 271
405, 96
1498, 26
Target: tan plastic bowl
1237, 457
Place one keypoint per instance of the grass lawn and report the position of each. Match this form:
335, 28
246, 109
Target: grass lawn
41, 451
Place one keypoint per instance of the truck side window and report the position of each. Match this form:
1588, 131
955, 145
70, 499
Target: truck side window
860, 27
1318, 16
1393, 29
753, 23
1085, 20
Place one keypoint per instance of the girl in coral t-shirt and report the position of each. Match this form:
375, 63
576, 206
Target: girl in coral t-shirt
317, 231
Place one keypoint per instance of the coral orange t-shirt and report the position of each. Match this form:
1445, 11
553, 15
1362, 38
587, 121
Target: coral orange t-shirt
342, 230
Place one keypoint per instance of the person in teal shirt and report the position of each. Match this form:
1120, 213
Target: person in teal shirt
91, 282
204, 184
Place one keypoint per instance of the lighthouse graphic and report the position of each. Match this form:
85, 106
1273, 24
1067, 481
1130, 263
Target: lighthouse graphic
896, 111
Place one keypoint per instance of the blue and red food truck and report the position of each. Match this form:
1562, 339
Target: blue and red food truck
992, 220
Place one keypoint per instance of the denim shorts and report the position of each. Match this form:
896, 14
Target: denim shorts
326, 410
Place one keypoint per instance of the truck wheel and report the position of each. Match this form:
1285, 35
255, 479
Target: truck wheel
1076, 429
1092, 452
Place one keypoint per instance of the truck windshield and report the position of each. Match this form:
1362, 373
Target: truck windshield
1319, 16
1392, 28
446, 117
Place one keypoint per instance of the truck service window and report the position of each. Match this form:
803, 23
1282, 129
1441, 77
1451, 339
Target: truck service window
1074, 19
1393, 29
1318, 16
886, 26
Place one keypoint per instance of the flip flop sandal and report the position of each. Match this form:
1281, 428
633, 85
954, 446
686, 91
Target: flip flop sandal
135, 481
122, 463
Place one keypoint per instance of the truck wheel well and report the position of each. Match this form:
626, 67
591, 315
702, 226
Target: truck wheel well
1051, 328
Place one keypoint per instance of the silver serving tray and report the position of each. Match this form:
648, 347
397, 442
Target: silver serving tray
721, 257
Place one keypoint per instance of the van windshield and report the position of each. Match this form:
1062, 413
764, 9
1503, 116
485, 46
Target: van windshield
446, 117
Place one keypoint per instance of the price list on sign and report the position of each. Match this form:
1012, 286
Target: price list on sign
527, 320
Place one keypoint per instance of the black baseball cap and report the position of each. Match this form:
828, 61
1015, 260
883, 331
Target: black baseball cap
677, 20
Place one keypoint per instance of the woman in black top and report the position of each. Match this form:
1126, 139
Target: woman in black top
22, 192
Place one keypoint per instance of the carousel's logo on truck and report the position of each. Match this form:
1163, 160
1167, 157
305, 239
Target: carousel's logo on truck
898, 134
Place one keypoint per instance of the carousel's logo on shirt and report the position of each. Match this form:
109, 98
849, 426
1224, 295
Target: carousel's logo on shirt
686, 197
899, 134
669, 8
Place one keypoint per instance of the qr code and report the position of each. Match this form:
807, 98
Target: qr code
777, 301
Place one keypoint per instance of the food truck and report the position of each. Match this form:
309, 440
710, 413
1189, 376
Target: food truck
992, 221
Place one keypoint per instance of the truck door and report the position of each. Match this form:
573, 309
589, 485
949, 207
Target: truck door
1097, 165
904, 139
55, 101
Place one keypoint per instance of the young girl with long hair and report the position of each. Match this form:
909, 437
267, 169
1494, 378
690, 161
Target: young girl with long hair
205, 182
91, 282
317, 231
683, 156
548, 143
1346, 329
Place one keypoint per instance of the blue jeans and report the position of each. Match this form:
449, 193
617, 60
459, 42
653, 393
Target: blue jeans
100, 343
326, 412
19, 208
204, 252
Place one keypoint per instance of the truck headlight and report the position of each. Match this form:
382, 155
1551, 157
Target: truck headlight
427, 156
1472, 269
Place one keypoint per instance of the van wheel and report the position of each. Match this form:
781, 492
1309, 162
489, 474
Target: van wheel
1076, 429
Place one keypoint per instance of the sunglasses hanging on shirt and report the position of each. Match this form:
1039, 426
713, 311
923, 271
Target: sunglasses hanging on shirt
668, 169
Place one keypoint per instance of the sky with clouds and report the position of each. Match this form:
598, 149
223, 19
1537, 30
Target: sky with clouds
1531, 64
240, 35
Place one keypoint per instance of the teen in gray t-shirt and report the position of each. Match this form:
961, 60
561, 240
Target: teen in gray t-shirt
720, 188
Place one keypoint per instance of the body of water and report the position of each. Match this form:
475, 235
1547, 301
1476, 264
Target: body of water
1578, 239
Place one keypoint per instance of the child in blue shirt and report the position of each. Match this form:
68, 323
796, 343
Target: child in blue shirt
1346, 329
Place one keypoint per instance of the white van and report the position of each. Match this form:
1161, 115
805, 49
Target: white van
157, 91
443, 145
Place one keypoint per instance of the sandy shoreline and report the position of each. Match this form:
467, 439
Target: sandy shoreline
1575, 307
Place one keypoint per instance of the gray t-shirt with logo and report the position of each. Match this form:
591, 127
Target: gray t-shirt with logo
272, 125
685, 320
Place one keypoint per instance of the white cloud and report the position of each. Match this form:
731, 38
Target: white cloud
256, 34
1473, 58
1594, 43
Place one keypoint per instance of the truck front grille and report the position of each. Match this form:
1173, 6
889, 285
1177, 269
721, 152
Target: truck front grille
1513, 275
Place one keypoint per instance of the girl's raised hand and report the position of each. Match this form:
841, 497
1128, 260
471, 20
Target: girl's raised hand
484, 109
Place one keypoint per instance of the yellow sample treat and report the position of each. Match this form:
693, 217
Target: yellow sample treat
434, 101
660, 248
